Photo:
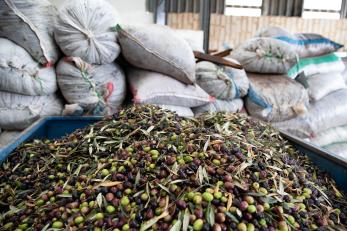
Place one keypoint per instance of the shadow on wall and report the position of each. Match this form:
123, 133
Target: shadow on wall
130, 11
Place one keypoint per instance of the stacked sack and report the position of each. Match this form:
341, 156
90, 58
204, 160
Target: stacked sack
27, 55
88, 77
228, 85
162, 70
271, 95
320, 71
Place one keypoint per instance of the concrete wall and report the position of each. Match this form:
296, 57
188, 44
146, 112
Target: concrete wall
131, 11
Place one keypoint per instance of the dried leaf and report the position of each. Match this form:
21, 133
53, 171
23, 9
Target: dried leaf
177, 226
150, 129
164, 188
177, 181
175, 168
200, 175
108, 184
186, 220
206, 144
230, 201
324, 195
151, 222
137, 178
232, 217
209, 215
46, 227
65, 195
205, 174
99, 199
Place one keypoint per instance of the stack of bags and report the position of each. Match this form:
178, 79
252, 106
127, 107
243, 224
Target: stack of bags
89, 79
320, 71
271, 96
27, 55
162, 68
228, 85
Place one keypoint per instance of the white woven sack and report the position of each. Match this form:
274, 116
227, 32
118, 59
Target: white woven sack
30, 24
265, 55
17, 112
157, 48
324, 114
84, 30
275, 98
98, 89
321, 85
222, 82
155, 88
230, 106
331, 136
21, 74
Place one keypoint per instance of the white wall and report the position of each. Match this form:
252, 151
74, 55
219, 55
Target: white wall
131, 11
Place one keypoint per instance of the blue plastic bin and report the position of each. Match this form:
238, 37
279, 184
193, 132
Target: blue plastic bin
57, 127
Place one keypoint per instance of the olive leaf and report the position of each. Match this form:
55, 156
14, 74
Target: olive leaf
205, 174
108, 184
232, 217
186, 220
99, 200
176, 226
151, 222
209, 215
200, 175
137, 178
206, 144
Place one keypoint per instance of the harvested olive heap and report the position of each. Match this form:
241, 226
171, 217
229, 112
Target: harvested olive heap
147, 168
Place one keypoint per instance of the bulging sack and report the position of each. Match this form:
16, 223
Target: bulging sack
18, 112
155, 88
275, 98
157, 48
230, 106
84, 30
98, 89
321, 85
222, 82
329, 63
30, 24
19, 73
305, 44
265, 55
331, 136
299, 126
324, 114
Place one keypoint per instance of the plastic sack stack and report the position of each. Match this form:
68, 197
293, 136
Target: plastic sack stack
28, 85
162, 73
226, 84
89, 79
322, 73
